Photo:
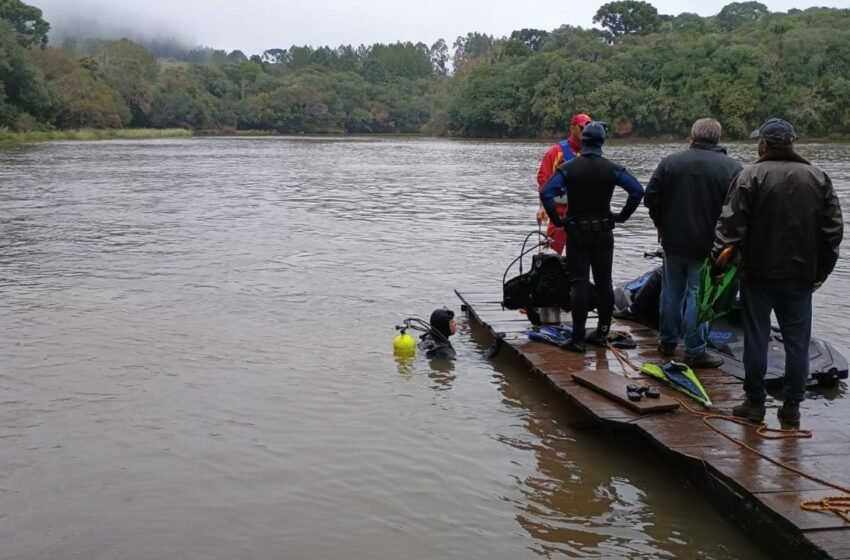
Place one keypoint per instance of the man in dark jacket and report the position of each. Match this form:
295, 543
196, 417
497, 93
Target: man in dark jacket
586, 184
684, 198
783, 221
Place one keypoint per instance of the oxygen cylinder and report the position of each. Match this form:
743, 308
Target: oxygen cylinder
404, 345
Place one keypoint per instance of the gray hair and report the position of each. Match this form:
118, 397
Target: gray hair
706, 130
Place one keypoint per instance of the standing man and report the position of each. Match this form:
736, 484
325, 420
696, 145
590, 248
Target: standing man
783, 221
685, 196
588, 183
557, 155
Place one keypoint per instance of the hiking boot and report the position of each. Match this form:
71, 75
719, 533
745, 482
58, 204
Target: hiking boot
789, 414
597, 338
704, 360
574, 345
752, 411
666, 349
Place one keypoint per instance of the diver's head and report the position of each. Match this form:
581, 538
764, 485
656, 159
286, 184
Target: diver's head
443, 322
592, 138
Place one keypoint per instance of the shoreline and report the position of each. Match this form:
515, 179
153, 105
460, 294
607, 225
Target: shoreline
92, 134
625, 140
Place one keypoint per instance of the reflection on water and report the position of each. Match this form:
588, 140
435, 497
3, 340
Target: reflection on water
197, 360
593, 494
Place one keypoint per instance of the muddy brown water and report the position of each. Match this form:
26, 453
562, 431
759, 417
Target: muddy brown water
195, 360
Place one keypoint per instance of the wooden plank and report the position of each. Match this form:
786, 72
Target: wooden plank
835, 543
756, 475
680, 431
588, 400
613, 386
832, 468
787, 504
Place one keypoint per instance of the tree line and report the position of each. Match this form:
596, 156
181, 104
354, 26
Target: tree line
646, 74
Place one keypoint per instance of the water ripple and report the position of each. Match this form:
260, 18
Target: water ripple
195, 340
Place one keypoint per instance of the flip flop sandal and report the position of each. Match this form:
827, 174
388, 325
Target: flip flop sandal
651, 392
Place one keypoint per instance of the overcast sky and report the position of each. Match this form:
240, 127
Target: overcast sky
256, 25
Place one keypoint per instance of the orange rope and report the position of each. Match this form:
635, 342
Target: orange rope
839, 505
625, 361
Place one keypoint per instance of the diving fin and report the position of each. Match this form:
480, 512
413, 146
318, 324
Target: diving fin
551, 334
680, 377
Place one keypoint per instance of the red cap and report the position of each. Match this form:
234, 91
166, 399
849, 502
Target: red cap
581, 119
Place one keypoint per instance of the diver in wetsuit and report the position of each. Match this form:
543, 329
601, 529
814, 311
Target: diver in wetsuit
436, 343
587, 184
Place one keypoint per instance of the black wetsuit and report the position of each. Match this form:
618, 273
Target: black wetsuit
436, 348
588, 183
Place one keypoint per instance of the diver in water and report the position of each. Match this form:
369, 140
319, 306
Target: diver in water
435, 342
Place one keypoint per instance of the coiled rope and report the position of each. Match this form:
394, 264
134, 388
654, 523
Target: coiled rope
839, 505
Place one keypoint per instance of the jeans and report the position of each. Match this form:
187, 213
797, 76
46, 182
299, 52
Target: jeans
590, 251
792, 302
679, 285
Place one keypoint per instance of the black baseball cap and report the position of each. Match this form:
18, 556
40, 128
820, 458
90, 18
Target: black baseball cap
775, 131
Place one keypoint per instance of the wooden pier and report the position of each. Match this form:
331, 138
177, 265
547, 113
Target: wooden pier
761, 497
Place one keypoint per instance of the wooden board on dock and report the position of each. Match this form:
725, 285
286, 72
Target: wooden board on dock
614, 386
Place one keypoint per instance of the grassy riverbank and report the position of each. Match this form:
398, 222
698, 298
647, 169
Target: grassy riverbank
8, 136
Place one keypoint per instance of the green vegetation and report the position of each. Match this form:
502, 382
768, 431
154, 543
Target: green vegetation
8, 136
647, 74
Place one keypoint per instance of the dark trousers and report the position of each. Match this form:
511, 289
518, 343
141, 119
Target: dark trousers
588, 251
792, 303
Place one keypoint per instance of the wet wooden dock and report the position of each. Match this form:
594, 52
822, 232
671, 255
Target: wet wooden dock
762, 498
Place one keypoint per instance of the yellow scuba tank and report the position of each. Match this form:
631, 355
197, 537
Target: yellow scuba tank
404, 344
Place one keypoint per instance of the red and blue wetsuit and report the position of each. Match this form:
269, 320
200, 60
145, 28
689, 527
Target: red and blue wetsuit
556, 156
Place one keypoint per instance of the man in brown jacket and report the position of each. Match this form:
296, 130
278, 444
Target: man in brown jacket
783, 222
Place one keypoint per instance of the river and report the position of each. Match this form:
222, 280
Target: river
196, 341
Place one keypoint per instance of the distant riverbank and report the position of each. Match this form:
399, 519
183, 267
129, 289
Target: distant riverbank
87, 134
11, 137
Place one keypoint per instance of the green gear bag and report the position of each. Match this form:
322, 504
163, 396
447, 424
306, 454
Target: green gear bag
715, 299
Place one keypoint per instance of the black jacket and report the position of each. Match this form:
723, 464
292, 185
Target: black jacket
783, 219
685, 196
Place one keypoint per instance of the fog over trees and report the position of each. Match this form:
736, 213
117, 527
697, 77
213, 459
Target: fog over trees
645, 73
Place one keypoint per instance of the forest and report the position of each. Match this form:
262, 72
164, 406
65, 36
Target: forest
646, 74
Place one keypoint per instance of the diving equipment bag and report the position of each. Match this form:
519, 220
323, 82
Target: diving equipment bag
545, 285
